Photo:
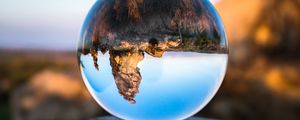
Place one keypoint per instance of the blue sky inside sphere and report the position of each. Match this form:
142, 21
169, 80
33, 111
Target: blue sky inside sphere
43, 24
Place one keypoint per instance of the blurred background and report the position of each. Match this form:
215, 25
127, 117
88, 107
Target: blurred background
40, 78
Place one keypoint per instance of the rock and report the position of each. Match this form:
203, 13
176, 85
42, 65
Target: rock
126, 73
94, 54
124, 58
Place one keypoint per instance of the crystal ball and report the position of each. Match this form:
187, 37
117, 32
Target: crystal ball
153, 59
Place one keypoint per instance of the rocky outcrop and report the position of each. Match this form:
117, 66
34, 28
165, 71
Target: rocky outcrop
126, 73
124, 59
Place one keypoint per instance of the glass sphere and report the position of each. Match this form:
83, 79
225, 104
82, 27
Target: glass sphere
153, 59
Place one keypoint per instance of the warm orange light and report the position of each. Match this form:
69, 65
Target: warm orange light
262, 35
283, 80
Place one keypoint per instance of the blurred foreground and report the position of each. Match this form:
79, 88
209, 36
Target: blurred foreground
38, 85
262, 82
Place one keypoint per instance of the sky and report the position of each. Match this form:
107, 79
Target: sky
42, 24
